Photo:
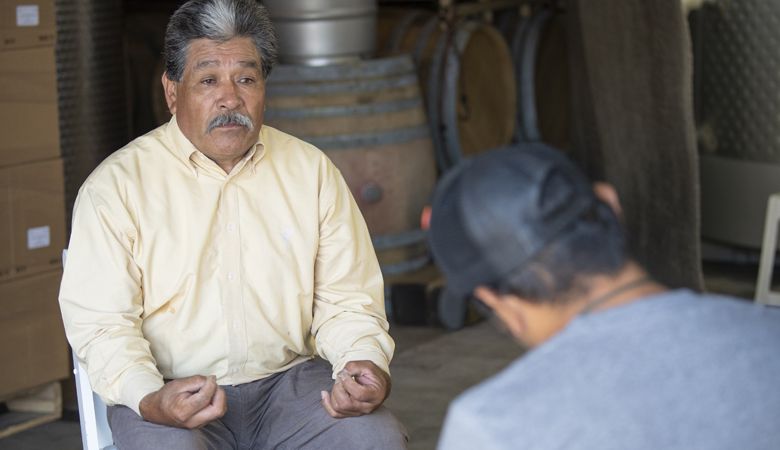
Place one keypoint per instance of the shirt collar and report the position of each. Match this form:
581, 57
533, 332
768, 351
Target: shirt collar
186, 151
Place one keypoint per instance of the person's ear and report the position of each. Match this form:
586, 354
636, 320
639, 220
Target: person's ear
508, 309
488, 296
169, 88
607, 193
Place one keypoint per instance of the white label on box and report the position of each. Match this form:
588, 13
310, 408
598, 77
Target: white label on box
27, 16
38, 237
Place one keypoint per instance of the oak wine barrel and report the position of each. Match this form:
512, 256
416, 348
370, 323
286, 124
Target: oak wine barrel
368, 117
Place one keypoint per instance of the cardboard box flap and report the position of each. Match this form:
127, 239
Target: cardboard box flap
27, 14
28, 76
27, 23
33, 347
29, 131
37, 200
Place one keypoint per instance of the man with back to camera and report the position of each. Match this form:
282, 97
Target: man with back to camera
618, 361
212, 259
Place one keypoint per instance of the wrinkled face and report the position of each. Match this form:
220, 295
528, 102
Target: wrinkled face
220, 99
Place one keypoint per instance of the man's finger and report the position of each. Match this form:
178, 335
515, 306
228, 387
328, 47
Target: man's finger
340, 399
329, 407
211, 412
189, 384
208, 388
219, 402
358, 391
203, 397
185, 403
343, 403
367, 382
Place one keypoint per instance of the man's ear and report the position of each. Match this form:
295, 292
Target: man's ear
488, 296
607, 193
509, 310
169, 88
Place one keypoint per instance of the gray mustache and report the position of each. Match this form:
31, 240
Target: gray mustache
230, 118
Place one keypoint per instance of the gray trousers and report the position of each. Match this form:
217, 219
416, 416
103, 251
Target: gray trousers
282, 411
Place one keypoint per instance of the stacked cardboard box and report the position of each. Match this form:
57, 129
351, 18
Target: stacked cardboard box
32, 210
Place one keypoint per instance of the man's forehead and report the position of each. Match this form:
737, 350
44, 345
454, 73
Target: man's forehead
206, 63
206, 53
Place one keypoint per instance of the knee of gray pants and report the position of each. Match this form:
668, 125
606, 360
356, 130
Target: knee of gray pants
131, 432
378, 430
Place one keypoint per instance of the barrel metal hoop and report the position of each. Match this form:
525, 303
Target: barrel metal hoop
391, 241
405, 266
450, 101
400, 30
332, 13
335, 14
375, 68
350, 110
388, 241
434, 96
425, 36
527, 71
517, 62
297, 11
375, 139
283, 89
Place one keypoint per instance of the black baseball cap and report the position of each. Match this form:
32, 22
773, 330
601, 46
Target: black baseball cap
493, 213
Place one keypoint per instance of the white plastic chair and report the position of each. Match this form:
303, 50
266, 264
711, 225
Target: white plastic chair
95, 432
764, 292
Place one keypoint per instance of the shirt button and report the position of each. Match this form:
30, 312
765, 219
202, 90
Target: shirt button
231, 276
231, 227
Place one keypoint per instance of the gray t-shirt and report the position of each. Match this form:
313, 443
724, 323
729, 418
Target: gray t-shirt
677, 370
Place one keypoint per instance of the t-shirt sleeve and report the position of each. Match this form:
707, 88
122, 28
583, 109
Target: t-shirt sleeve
463, 430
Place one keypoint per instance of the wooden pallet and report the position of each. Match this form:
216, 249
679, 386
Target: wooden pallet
31, 408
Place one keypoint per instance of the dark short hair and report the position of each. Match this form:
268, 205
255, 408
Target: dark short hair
218, 20
594, 244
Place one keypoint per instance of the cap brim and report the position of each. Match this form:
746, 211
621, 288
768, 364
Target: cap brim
452, 308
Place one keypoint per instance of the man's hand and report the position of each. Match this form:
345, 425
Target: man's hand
190, 402
359, 389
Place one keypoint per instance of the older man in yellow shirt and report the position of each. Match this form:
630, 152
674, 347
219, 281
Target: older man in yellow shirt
213, 259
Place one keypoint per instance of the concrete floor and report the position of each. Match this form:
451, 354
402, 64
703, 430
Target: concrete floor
430, 368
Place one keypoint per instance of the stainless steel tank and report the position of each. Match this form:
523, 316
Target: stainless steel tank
737, 80
320, 32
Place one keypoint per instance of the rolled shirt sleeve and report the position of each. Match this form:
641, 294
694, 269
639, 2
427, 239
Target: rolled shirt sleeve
101, 301
349, 314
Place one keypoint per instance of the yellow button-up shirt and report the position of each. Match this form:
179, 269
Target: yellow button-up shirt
175, 268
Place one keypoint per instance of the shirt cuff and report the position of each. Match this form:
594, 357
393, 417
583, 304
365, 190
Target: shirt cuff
374, 356
138, 385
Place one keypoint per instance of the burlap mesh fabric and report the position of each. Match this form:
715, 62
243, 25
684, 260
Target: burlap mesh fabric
632, 119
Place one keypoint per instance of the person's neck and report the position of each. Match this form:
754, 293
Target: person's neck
602, 292
630, 284
227, 164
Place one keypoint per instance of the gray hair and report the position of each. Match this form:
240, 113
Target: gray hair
218, 20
